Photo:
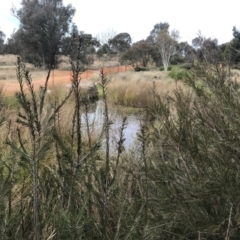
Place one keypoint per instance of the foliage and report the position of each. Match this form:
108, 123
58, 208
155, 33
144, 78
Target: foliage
234, 47
178, 73
89, 44
207, 49
104, 49
185, 52
167, 45
2, 37
43, 25
120, 43
195, 138
164, 43
152, 38
13, 46
139, 54
60, 178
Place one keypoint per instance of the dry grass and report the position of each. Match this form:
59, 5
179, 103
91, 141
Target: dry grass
8, 68
133, 89
98, 63
8, 60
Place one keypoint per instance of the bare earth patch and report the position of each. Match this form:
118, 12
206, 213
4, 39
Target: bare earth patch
57, 77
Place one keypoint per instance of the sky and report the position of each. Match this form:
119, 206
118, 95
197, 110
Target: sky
214, 19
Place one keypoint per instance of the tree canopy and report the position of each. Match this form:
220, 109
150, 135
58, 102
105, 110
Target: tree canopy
206, 49
235, 46
165, 42
2, 38
120, 43
43, 24
139, 54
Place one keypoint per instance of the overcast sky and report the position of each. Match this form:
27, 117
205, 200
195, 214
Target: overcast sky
214, 19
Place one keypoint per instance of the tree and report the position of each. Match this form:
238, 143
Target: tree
105, 36
83, 54
167, 45
235, 47
43, 24
120, 43
186, 51
104, 49
156, 29
12, 45
152, 39
2, 37
139, 54
88, 47
206, 49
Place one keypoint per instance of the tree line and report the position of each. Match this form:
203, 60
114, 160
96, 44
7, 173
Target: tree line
46, 28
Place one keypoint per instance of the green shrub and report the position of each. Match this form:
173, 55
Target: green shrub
161, 68
169, 68
179, 73
187, 66
197, 166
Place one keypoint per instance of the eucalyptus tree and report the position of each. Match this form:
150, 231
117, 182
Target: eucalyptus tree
120, 43
43, 24
139, 54
2, 37
164, 43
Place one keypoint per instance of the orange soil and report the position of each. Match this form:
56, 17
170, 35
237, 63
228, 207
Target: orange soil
60, 77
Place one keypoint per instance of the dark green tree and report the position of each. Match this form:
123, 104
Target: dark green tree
139, 54
12, 46
43, 24
104, 49
88, 45
2, 38
155, 31
235, 47
120, 43
207, 49
186, 51
195, 139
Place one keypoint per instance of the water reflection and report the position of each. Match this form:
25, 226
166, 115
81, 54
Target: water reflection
96, 120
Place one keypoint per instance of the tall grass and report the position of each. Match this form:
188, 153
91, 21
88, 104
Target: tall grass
183, 182
133, 89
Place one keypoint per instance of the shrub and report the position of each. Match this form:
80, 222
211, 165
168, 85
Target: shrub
187, 66
179, 73
195, 165
161, 68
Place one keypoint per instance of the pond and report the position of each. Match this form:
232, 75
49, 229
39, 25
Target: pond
96, 121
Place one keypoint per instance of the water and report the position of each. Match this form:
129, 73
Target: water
96, 120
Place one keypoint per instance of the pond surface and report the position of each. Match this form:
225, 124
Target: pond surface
132, 127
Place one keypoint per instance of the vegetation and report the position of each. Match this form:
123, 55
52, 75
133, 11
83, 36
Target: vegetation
60, 176
139, 54
61, 180
43, 25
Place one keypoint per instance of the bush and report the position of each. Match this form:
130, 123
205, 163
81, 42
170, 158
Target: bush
161, 68
187, 66
197, 155
139, 69
169, 68
179, 73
